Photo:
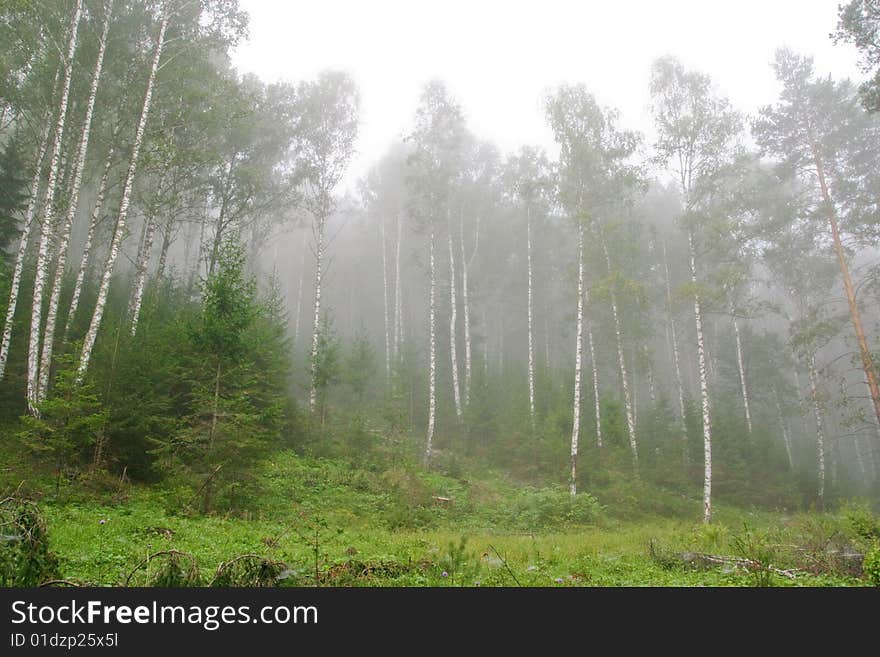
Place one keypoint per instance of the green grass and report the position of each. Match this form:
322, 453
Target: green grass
384, 526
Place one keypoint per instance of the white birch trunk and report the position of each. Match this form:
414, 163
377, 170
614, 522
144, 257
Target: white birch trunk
820, 429
119, 232
704, 387
531, 338
432, 348
90, 235
456, 392
466, 304
72, 206
742, 373
316, 321
676, 362
30, 212
387, 325
140, 282
578, 357
48, 218
624, 379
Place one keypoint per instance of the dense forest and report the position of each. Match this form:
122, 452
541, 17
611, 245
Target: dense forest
190, 292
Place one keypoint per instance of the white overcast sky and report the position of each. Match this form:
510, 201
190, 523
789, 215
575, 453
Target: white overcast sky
499, 58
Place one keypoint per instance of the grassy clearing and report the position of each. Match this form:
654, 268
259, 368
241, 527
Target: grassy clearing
399, 526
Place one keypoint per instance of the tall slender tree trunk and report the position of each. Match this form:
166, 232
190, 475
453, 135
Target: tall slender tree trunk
215, 411
649, 373
704, 387
140, 276
432, 348
119, 232
676, 361
783, 425
466, 262
20, 256
398, 298
316, 322
820, 429
72, 206
531, 337
742, 372
578, 357
167, 237
90, 234
453, 316
386, 314
597, 402
299, 292
46, 227
624, 379
855, 314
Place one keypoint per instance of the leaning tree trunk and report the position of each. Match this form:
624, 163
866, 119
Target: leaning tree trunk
140, 276
30, 212
855, 314
386, 316
316, 321
742, 372
624, 379
119, 232
676, 361
456, 393
529, 321
90, 235
432, 348
167, 238
72, 206
783, 425
704, 387
48, 217
820, 428
578, 357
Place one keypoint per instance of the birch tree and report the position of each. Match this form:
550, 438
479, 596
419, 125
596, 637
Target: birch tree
594, 172
46, 225
697, 136
21, 254
434, 165
530, 181
326, 129
72, 207
122, 214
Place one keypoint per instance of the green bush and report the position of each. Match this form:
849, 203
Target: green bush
25, 558
862, 522
871, 565
538, 508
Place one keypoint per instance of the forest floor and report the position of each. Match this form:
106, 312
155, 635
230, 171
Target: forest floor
321, 521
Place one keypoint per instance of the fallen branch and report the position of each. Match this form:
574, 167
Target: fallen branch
741, 562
